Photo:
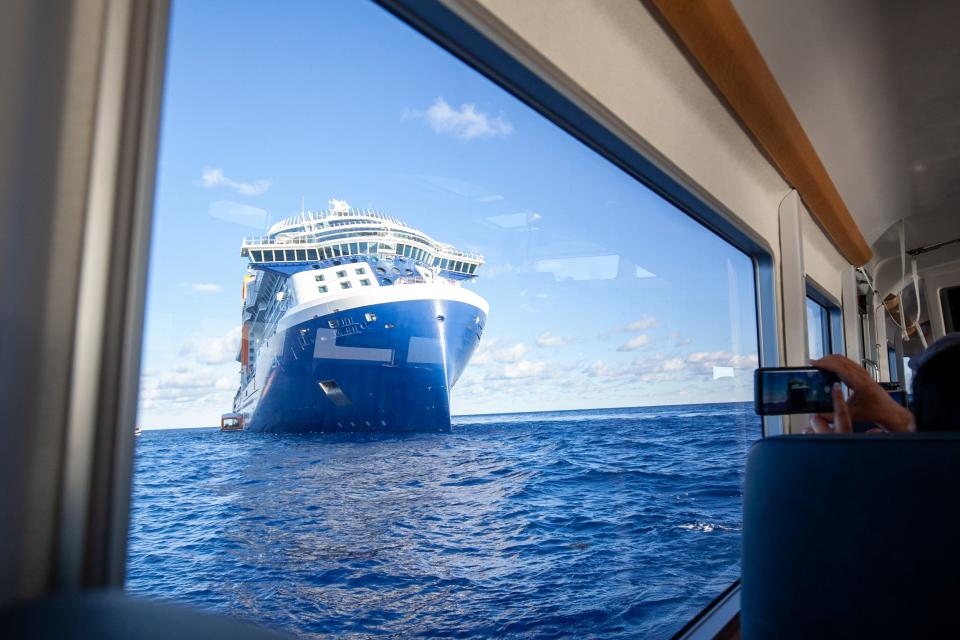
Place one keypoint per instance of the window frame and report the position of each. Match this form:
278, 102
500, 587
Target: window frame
105, 540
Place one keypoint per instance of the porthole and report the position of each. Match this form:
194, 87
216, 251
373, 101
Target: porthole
441, 318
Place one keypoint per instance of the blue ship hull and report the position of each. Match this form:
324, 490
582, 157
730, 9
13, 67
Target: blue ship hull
382, 367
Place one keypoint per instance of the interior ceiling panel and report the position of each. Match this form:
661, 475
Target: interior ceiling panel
876, 86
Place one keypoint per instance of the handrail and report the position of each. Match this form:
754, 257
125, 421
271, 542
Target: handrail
268, 242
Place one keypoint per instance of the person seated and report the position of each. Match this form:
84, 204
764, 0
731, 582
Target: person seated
935, 406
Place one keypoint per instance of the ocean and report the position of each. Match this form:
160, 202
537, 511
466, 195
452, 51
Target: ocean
601, 523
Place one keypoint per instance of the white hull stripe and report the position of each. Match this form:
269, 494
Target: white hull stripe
380, 295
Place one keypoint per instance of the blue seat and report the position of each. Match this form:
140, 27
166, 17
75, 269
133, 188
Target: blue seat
852, 537
114, 615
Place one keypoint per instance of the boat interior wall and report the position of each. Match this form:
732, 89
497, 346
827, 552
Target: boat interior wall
652, 96
822, 262
808, 260
79, 87
832, 64
720, 44
48, 72
875, 87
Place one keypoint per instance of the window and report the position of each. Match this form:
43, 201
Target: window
824, 324
360, 270
600, 425
950, 304
322, 288
818, 329
257, 256
892, 361
319, 277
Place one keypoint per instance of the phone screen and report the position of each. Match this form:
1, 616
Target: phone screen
785, 390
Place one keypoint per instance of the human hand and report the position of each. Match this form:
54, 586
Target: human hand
840, 417
868, 402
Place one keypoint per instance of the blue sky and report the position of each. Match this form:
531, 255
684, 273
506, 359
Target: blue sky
601, 294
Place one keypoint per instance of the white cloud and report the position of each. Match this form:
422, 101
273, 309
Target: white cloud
634, 343
465, 123
215, 178
672, 364
524, 369
547, 339
513, 353
219, 350
644, 323
205, 287
706, 361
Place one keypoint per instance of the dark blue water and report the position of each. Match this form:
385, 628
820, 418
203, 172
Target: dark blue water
601, 523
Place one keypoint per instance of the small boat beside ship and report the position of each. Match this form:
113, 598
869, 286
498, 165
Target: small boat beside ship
353, 321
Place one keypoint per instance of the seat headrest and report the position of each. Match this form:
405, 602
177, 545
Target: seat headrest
852, 536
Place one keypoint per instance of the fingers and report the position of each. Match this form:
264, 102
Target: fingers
841, 413
848, 370
819, 425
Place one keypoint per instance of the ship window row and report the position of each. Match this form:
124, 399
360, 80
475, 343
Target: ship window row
313, 255
455, 265
414, 253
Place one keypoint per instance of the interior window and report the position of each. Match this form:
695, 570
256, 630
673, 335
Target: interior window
599, 398
818, 329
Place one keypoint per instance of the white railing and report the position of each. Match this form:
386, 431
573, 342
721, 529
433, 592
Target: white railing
269, 242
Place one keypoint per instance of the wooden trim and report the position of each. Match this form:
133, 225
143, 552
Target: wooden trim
717, 39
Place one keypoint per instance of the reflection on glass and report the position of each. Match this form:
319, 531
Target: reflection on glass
591, 481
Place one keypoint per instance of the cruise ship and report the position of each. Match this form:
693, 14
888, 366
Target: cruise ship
353, 321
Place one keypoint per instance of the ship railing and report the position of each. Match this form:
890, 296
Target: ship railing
314, 216
265, 242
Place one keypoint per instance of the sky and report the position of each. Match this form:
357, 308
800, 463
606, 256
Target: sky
601, 293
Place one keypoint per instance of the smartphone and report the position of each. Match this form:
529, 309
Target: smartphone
785, 390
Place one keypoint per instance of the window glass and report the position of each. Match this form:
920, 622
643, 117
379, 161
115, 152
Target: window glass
818, 329
907, 376
892, 364
599, 361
